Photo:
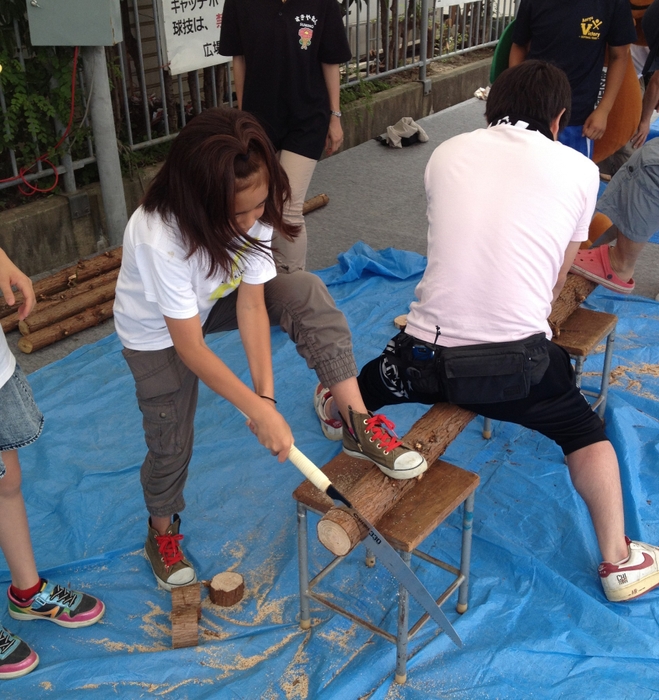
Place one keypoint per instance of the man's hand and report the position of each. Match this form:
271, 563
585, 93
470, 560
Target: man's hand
11, 275
641, 135
595, 125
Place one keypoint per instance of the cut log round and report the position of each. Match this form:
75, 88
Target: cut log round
375, 494
69, 277
55, 312
226, 589
63, 329
320, 200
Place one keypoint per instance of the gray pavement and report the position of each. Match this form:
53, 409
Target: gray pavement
376, 196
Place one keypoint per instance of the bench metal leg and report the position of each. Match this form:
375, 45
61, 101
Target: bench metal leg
370, 558
487, 428
403, 627
606, 374
303, 564
465, 557
578, 370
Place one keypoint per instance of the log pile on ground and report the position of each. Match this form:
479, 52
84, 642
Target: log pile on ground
69, 301
78, 297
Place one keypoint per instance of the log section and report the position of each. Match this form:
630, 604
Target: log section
374, 494
60, 310
69, 277
575, 291
186, 613
320, 200
63, 329
226, 589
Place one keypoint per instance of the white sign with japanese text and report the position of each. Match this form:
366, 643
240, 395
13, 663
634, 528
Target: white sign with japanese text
191, 31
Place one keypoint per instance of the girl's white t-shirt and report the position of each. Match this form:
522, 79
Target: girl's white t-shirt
7, 360
158, 280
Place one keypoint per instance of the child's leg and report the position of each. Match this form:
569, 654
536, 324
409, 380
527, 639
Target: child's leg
14, 530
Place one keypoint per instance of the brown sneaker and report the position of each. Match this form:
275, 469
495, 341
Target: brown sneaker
371, 437
165, 555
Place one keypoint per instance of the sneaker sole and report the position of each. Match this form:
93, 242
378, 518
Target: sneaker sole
22, 672
61, 623
632, 591
329, 432
400, 474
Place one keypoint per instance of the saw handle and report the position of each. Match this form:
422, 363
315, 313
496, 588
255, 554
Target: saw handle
309, 469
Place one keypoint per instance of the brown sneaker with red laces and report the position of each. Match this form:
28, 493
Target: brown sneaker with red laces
170, 567
372, 437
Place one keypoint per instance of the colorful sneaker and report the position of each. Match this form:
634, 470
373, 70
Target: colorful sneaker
634, 576
332, 427
368, 437
165, 555
16, 657
59, 605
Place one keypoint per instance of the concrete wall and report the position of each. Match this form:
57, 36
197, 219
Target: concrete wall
43, 236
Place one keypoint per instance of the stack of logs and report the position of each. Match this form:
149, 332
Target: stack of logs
78, 297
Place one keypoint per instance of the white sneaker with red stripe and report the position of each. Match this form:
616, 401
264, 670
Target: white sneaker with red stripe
634, 576
322, 400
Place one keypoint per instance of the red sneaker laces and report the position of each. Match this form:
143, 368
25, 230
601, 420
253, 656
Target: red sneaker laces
387, 441
170, 551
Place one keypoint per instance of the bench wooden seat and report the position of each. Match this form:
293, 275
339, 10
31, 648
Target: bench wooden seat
443, 488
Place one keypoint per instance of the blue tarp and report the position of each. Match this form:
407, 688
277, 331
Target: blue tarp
538, 624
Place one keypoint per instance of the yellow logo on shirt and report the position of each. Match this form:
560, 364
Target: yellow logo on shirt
590, 28
236, 276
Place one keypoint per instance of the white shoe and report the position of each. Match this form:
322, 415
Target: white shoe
637, 575
332, 427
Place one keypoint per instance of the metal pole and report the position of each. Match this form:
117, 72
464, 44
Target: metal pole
105, 140
423, 47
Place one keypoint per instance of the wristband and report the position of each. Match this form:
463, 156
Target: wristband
335, 114
274, 401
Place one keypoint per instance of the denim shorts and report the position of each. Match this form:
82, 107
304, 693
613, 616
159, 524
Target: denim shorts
631, 199
21, 421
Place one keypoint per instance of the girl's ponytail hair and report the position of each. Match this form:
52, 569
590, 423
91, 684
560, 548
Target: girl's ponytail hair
215, 156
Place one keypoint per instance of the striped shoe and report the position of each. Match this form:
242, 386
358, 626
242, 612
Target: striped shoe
59, 605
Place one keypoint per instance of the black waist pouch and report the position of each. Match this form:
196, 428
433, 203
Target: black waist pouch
493, 372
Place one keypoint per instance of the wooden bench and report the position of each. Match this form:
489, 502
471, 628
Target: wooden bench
413, 518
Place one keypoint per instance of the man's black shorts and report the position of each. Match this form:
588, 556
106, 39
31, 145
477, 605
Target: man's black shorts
554, 407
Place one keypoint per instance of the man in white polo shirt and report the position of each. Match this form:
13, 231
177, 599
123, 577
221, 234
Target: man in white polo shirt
508, 207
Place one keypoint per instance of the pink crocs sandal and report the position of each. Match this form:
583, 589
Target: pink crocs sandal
594, 264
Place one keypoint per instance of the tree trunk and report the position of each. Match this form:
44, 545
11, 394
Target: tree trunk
576, 289
69, 277
59, 311
63, 329
375, 494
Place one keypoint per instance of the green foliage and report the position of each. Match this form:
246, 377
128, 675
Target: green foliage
34, 94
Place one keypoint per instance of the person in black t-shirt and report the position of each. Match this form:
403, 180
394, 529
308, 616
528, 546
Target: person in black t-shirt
286, 58
574, 35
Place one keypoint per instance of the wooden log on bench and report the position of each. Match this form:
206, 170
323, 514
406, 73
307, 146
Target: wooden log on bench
374, 494
574, 292
69, 277
186, 613
63, 329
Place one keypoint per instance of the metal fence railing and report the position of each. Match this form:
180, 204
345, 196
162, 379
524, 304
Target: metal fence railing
150, 105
